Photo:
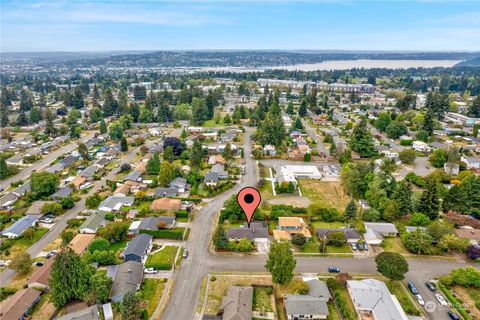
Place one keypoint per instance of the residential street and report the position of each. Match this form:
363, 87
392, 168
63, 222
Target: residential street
37, 166
61, 223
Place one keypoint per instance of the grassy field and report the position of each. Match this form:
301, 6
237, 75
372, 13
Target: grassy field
394, 245
117, 246
324, 193
164, 256
262, 300
398, 290
152, 290
332, 312
322, 224
25, 242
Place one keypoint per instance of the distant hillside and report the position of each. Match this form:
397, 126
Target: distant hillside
475, 62
227, 58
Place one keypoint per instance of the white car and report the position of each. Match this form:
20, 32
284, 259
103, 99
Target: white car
420, 299
441, 299
150, 270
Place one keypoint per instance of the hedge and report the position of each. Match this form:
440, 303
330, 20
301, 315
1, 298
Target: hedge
181, 214
164, 234
158, 266
456, 304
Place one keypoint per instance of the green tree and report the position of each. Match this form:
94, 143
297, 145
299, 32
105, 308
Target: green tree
430, 200
99, 244
49, 125
228, 155
67, 203
451, 242
281, 262
116, 131
302, 110
417, 241
3, 116
21, 263
199, 111
83, 150
428, 122
35, 115
396, 129
419, 219
196, 154
4, 172
103, 127
403, 198
153, 165
129, 308
437, 230
474, 110
220, 239
350, 210
290, 110
100, 286
362, 141
44, 184
356, 177
69, 278
392, 265
383, 120
52, 208
438, 158
168, 154
146, 116
93, 201
123, 145
407, 156
166, 174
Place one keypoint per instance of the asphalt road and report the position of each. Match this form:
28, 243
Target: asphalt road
61, 223
37, 166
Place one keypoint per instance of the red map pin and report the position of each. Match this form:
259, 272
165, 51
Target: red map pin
248, 199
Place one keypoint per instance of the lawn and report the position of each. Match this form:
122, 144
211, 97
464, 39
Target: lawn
262, 299
211, 124
343, 249
163, 259
117, 246
342, 298
25, 242
152, 290
332, 312
394, 245
322, 224
324, 193
398, 290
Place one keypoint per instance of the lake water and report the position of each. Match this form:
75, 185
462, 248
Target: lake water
346, 64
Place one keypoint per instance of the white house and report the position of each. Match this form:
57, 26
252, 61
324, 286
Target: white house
420, 146
471, 162
290, 173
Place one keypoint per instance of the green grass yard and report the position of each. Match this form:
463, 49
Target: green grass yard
164, 257
262, 300
398, 290
152, 290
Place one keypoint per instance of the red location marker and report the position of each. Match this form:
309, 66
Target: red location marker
248, 199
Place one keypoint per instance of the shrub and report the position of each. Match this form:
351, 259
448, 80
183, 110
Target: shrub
181, 214
164, 234
67, 203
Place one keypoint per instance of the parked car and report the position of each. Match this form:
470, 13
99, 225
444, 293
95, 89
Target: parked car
185, 254
4, 263
46, 220
412, 288
431, 286
333, 269
420, 299
365, 246
452, 315
354, 247
51, 253
38, 263
360, 246
441, 299
150, 270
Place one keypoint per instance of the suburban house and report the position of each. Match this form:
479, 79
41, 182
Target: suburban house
92, 223
290, 173
115, 203
19, 304
133, 176
67, 161
258, 231
309, 306
377, 231
88, 172
80, 242
8, 200
22, 190
219, 169
471, 162
269, 150
237, 303
62, 192
16, 160
166, 204
90, 313
20, 226
36, 207
420, 146
180, 184
152, 223
211, 179
288, 226
138, 248
372, 299
40, 278
126, 277
165, 192
351, 234
78, 182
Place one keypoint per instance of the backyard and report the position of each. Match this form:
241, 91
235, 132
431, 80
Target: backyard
324, 193
162, 259
152, 290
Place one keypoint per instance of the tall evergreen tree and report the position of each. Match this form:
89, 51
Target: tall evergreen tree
196, 154
22, 119
129, 308
103, 127
351, 210
474, 110
430, 199
362, 140
49, 125
281, 262
153, 165
123, 144
3, 115
403, 198
4, 172
35, 115
302, 110
428, 122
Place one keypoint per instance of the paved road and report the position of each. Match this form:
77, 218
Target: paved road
37, 166
312, 133
60, 225
393, 145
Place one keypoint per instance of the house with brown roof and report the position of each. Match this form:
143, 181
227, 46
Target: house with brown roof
166, 204
237, 303
19, 304
288, 226
80, 242
41, 276
123, 189
78, 181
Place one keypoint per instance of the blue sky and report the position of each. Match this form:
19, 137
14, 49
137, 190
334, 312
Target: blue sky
264, 24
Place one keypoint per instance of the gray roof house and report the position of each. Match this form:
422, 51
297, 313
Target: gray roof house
165, 192
133, 176
7, 201
68, 160
237, 303
93, 222
180, 184
372, 298
57, 167
89, 313
309, 306
351, 234
151, 223
376, 231
115, 203
127, 277
211, 179
61, 193
20, 226
22, 190
88, 172
220, 170
138, 248
257, 230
